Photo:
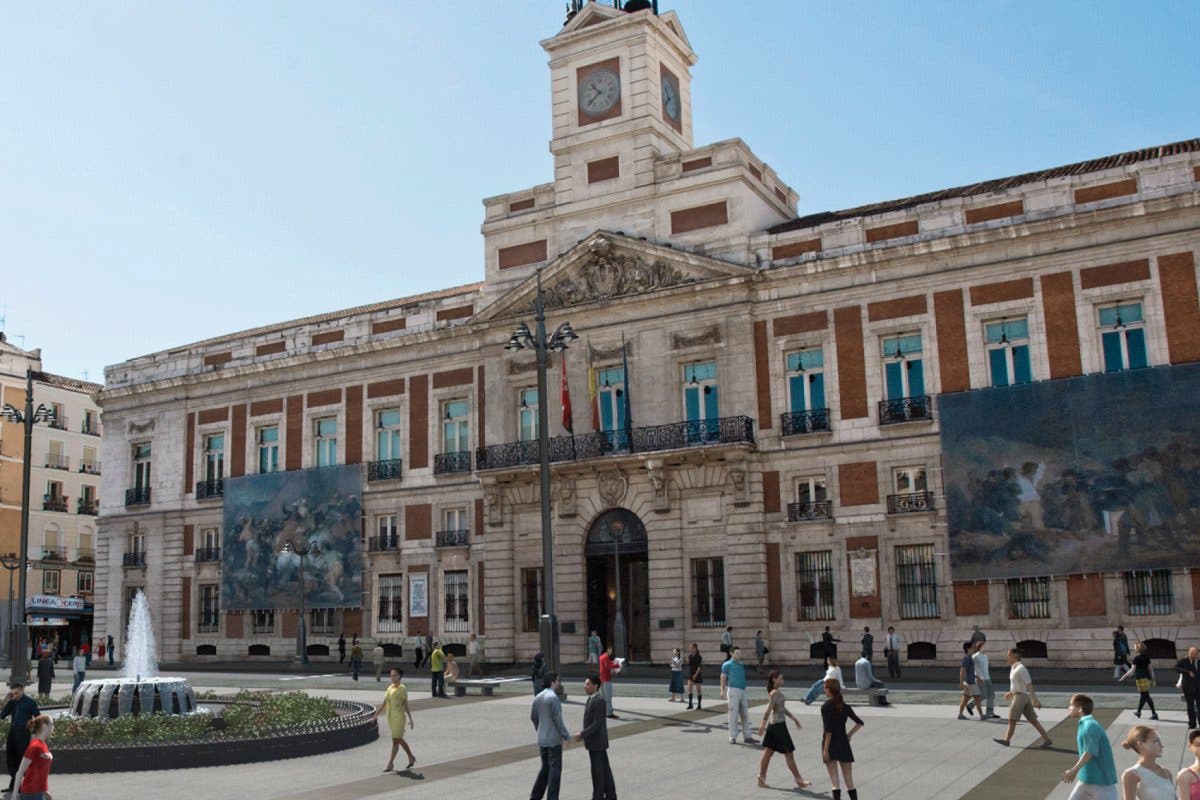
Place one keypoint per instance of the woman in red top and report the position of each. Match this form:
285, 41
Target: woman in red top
32, 778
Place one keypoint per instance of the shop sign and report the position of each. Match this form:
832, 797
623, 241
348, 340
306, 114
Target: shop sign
55, 602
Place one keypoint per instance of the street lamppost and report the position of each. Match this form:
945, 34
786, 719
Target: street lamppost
523, 339
11, 563
27, 418
303, 549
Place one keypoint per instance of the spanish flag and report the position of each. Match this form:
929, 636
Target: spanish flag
568, 421
593, 390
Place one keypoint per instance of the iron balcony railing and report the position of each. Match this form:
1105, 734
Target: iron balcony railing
210, 488
905, 409
209, 622
695, 433
448, 463
85, 555
453, 538
90, 507
909, 503
379, 544
208, 554
813, 421
816, 509
388, 470
54, 502
137, 559
92, 431
59, 422
138, 496
57, 461
90, 467
54, 554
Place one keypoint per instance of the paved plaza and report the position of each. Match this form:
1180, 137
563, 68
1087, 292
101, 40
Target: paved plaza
483, 747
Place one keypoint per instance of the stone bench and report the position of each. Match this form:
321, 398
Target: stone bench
875, 697
486, 685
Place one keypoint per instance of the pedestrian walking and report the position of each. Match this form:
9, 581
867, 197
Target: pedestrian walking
891, 652
1188, 668
1120, 652
1187, 781
835, 740
968, 683
1143, 676
33, 776
1022, 700
356, 657
977, 635
1095, 770
20, 708
1147, 779
829, 644
733, 690
832, 670
552, 736
475, 661
377, 660
594, 736
983, 673
395, 705
593, 648
45, 673
727, 642
437, 671
868, 644
774, 733
537, 673
450, 673
79, 668
760, 651
86, 649
428, 649
695, 676
608, 668
112, 651
419, 654
676, 687
342, 648
100, 652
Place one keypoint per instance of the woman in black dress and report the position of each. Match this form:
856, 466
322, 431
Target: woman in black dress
777, 738
835, 747
1143, 675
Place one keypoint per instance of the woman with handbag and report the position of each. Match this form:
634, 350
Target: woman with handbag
1143, 675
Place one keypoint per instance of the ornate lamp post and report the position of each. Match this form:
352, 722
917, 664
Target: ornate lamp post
11, 563
523, 339
26, 418
304, 550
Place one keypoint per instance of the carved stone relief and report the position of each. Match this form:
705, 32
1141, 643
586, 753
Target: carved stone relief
610, 353
658, 483
738, 482
142, 427
709, 336
606, 275
491, 506
612, 485
565, 487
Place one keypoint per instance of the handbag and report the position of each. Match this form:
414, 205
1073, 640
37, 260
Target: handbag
1143, 684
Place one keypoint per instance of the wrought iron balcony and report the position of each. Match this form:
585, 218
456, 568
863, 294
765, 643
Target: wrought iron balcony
92, 431
85, 555
701, 433
90, 507
448, 463
54, 502
137, 559
453, 538
384, 470
59, 422
210, 488
817, 509
57, 461
208, 554
379, 544
54, 554
913, 502
209, 623
89, 467
139, 496
905, 409
813, 421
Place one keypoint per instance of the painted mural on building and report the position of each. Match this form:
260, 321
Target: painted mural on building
1090, 474
322, 507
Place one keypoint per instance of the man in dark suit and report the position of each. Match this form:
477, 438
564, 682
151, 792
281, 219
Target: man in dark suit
595, 740
1189, 668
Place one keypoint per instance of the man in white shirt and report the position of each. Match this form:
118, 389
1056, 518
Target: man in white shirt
891, 651
981, 671
473, 654
1022, 700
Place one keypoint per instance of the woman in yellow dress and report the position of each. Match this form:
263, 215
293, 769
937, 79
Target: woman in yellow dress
395, 703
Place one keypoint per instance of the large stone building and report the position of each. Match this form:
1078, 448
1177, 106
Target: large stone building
781, 466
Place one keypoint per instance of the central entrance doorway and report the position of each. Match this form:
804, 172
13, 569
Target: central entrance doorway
616, 549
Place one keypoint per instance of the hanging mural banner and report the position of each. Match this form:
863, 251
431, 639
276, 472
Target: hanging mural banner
418, 594
319, 507
1086, 474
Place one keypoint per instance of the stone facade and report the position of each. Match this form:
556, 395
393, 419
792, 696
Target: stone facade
686, 261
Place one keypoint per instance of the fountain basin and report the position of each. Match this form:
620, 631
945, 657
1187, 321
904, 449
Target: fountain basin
110, 698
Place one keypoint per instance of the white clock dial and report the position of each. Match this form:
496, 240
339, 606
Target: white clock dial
599, 92
670, 98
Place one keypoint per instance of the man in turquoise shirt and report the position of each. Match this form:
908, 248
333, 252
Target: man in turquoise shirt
1095, 769
733, 690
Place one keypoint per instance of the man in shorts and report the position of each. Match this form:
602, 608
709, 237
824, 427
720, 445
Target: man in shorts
1022, 700
969, 683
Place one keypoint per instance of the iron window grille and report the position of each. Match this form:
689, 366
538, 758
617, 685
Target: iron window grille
814, 585
916, 581
1149, 593
708, 592
391, 604
532, 596
1029, 598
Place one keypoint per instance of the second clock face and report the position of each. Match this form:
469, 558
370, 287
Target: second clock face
670, 98
599, 92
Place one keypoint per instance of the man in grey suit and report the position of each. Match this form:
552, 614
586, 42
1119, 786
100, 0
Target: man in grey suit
552, 734
595, 740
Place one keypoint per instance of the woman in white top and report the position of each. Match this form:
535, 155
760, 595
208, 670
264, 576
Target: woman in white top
1147, 779
676, 687
832, 670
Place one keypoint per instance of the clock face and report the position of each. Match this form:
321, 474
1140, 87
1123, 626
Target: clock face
599, 92
670, 98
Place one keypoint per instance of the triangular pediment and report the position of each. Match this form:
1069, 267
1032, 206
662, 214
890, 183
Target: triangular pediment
607, 266
591, 14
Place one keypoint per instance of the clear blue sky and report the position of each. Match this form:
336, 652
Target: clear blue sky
171, 171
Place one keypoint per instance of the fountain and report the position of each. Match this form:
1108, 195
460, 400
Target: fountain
139, 690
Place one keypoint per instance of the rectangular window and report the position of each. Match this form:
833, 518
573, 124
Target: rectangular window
210, 538
903, 369
136, 543
387, 435
268, 449
457, 616
214, 457
89, 463
60, 417
322, 620
391, 604
700, 406
210, 607
89, 423
1008, 351
456, 432
916, 581
50, 581
814, 585
910, 480
1148, 593
325, 441
55, 457
263, 621
527, 415
811, 489
54, 490
806, 380
141, 465
708, 592
532, 597
454, 519
610, 397
84, 582
1123, 337
385, 524
1029, 598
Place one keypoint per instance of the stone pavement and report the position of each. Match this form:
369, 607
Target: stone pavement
485, 748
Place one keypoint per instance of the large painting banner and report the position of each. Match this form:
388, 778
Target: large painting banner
320, 508
1085, 474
